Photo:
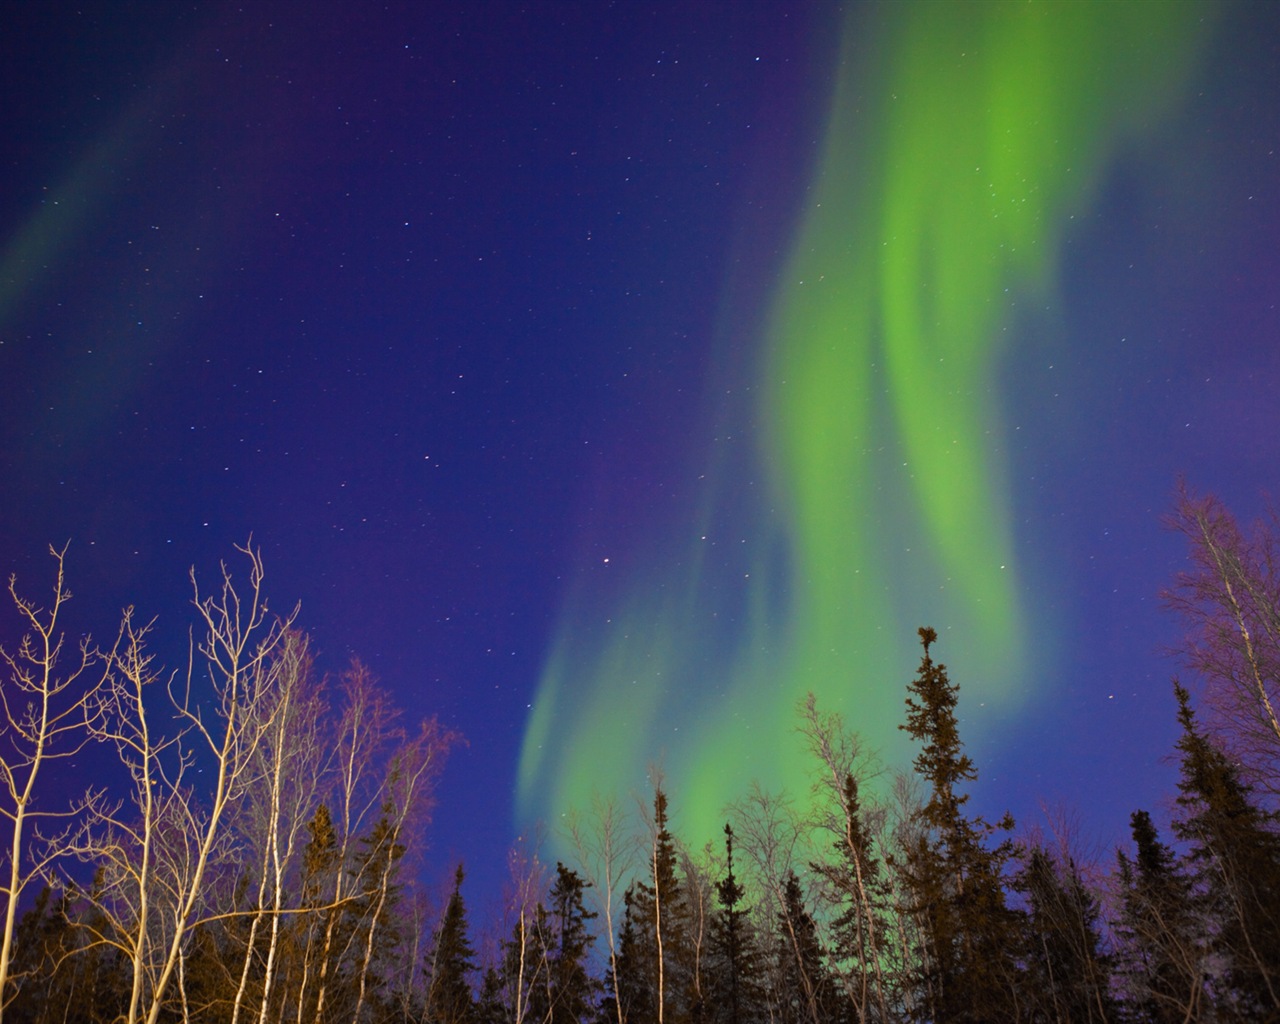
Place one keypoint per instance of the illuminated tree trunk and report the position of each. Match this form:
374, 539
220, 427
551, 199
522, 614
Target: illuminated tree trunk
42, 711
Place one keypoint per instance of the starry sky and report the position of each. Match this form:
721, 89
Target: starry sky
608, 376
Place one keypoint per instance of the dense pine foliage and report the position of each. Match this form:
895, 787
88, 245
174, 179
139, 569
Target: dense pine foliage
255, 858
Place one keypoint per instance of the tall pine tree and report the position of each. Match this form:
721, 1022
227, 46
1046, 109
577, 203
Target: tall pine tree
654, 954
450, 965
734, 985
953, 880
804, 991
1161, 960
574, 991
1067, 973
1235, 860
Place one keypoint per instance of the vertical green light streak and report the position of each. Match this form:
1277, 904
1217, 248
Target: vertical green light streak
961, 138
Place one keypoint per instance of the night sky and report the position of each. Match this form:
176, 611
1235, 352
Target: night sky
606, 376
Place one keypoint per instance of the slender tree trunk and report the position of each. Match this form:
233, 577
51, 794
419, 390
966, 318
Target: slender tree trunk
657, 924
251, 945
36, 715
374, 918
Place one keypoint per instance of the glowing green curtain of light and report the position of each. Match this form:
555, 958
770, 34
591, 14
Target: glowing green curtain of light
960, 141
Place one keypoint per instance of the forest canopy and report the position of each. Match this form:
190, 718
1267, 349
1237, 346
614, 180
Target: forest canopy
252, 852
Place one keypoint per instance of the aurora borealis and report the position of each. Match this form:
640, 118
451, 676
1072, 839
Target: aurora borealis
951, 163
607, 377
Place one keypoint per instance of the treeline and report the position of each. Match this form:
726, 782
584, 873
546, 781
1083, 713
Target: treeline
260, 867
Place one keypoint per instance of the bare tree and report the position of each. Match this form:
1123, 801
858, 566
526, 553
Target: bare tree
909, 949
154, 851
772, 836
226, 769
227, 727
409, 797
1231, 600
286, 783
843, 770
527, 885
407, 975
699, 900
384, 792
135, 859
367, 729
44, 720
606, 849
769, 834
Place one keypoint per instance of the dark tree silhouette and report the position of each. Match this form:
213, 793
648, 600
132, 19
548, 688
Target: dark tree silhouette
805, 992
953, 880
1161, 961
734, 995
1235, 860
1067, 977
450, 965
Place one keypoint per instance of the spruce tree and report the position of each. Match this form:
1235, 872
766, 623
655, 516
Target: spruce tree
654, 950
953, 881
1067, 973
321, 933
734, 995
1161, 960
450, 964
526, 967
491, 1005
632, 997
548, 963
1235, 861
574, 991
804, 990
374, 914
858, 931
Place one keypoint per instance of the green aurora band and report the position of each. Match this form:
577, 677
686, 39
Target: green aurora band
960, 141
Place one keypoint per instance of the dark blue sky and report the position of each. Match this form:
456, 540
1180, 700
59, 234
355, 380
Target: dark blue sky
427, 298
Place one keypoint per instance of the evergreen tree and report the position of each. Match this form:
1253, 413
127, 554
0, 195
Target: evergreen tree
859, 929
953, 881
317, 935
634, 999
450, 964
39, 976
804, 990
574, 992
35, 949
734, 975
1067, 972
1235, 859
93, 981
654, 951
1161, 956
491, 1005
525, 975
375, 918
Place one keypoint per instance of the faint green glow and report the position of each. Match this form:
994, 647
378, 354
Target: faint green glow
31, 253
961, 139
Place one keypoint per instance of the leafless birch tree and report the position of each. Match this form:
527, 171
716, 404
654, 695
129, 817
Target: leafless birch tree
1231, 599
772, 837
44, 713
606, 849
286, 785
409, 796
152, 851
843, 770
